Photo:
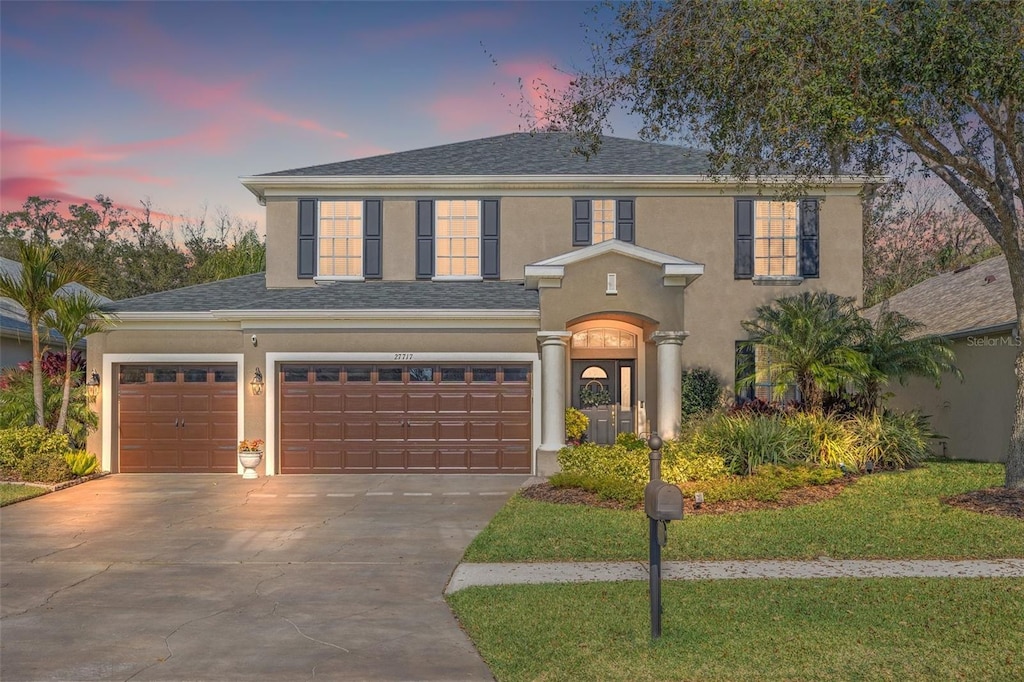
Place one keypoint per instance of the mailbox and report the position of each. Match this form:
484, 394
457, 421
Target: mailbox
663, 501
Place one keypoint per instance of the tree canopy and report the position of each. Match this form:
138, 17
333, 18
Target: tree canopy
811, 90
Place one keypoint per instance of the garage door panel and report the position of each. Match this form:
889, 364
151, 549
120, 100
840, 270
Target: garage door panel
453, 402
295, 459
422, 402
358, 402
191, 402
389, 458
423, 421
421, 430
358, 431
448, 431
422, 458
448, 458
483, 402
389, 402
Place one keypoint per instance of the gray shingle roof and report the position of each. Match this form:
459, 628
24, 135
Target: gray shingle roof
521, 154
956, 303
250, 293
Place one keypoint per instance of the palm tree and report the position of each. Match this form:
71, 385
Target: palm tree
43, 273
74, 316
809, 339
892, 354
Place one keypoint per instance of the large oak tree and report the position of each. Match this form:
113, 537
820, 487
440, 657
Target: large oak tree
815, 89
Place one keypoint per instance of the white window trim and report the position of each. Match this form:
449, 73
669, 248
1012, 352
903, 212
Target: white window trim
784, 280
479, 239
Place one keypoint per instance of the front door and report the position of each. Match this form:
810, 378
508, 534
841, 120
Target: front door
603, 390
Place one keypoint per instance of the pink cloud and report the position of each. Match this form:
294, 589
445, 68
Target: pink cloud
228, 102
541, 84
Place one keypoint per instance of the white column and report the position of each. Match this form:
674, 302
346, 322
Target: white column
670, 373
552, 363
552, 399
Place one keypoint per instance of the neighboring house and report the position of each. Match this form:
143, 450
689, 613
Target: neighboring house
437, 310
973, 308
15, 332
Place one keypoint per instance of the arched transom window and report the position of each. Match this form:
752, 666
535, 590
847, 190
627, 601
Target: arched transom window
603, 338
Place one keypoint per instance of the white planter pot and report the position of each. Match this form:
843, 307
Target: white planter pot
249, 461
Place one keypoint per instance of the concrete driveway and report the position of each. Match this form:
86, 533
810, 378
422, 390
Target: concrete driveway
210, 577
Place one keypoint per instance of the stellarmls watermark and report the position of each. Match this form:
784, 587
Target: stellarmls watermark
992, 341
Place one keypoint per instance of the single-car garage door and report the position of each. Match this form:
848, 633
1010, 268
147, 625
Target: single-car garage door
431, 418
177, 418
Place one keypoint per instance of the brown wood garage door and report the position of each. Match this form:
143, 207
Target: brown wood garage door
177, 418
431, 418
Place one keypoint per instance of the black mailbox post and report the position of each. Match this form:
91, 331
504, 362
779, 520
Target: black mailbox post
663, 503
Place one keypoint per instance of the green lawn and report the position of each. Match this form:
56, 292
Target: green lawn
886, 515
848, 629
9, 493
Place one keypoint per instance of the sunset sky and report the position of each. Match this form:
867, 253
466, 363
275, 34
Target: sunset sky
173, 101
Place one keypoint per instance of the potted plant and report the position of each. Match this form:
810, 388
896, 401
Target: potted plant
250, 453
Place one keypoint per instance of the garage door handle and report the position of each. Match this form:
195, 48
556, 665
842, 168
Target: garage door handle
175, 423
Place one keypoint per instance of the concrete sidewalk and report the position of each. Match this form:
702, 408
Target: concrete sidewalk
468, 575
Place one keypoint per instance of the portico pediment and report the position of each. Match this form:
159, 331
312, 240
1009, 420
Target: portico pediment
548, 273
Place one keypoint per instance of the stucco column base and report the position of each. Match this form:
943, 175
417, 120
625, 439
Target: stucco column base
547, 462
670, 379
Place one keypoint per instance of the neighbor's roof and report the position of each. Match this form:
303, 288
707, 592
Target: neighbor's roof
975, 299
250, 293
13, 322
520, 154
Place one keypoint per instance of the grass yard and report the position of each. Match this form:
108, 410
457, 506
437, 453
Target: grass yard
847, 629
885, 515
10, 493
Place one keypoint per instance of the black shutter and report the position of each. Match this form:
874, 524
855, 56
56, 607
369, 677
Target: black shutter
809, 238
624, 220
743, 250
490, 231
581, 225
307, 238
424, 239
372, 239
744, 370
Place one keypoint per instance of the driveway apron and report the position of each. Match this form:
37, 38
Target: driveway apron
211, 577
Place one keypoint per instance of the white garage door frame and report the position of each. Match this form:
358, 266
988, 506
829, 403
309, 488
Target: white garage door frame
275, 359
109, 382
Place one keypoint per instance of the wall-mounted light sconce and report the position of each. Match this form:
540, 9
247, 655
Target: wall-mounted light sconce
257, 382
92, 386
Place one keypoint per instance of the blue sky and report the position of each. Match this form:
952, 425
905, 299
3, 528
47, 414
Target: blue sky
173, 101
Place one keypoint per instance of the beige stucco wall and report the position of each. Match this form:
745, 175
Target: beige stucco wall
698, 228
178, 342
975, 415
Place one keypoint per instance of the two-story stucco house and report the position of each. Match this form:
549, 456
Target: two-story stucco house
437, 310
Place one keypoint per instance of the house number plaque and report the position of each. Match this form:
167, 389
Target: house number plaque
403, 356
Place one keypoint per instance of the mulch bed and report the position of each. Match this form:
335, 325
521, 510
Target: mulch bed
997, 501
545, 492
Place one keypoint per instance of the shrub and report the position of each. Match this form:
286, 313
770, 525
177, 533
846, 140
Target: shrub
600, 461
631, 441
746, 442
681, 461
576, 424
81, 462
892, 440
17, 406
629, 493
826, 438
33, 454
766, 484
702, 390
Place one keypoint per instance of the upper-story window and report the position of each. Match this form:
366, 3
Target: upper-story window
340, 239
757, 377
776, 241
457, 238
599, 220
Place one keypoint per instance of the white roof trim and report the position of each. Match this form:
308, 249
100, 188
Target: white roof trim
333, 314
292, 184
550, 271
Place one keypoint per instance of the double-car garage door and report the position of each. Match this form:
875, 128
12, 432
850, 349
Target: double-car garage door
332, 418
445, 418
